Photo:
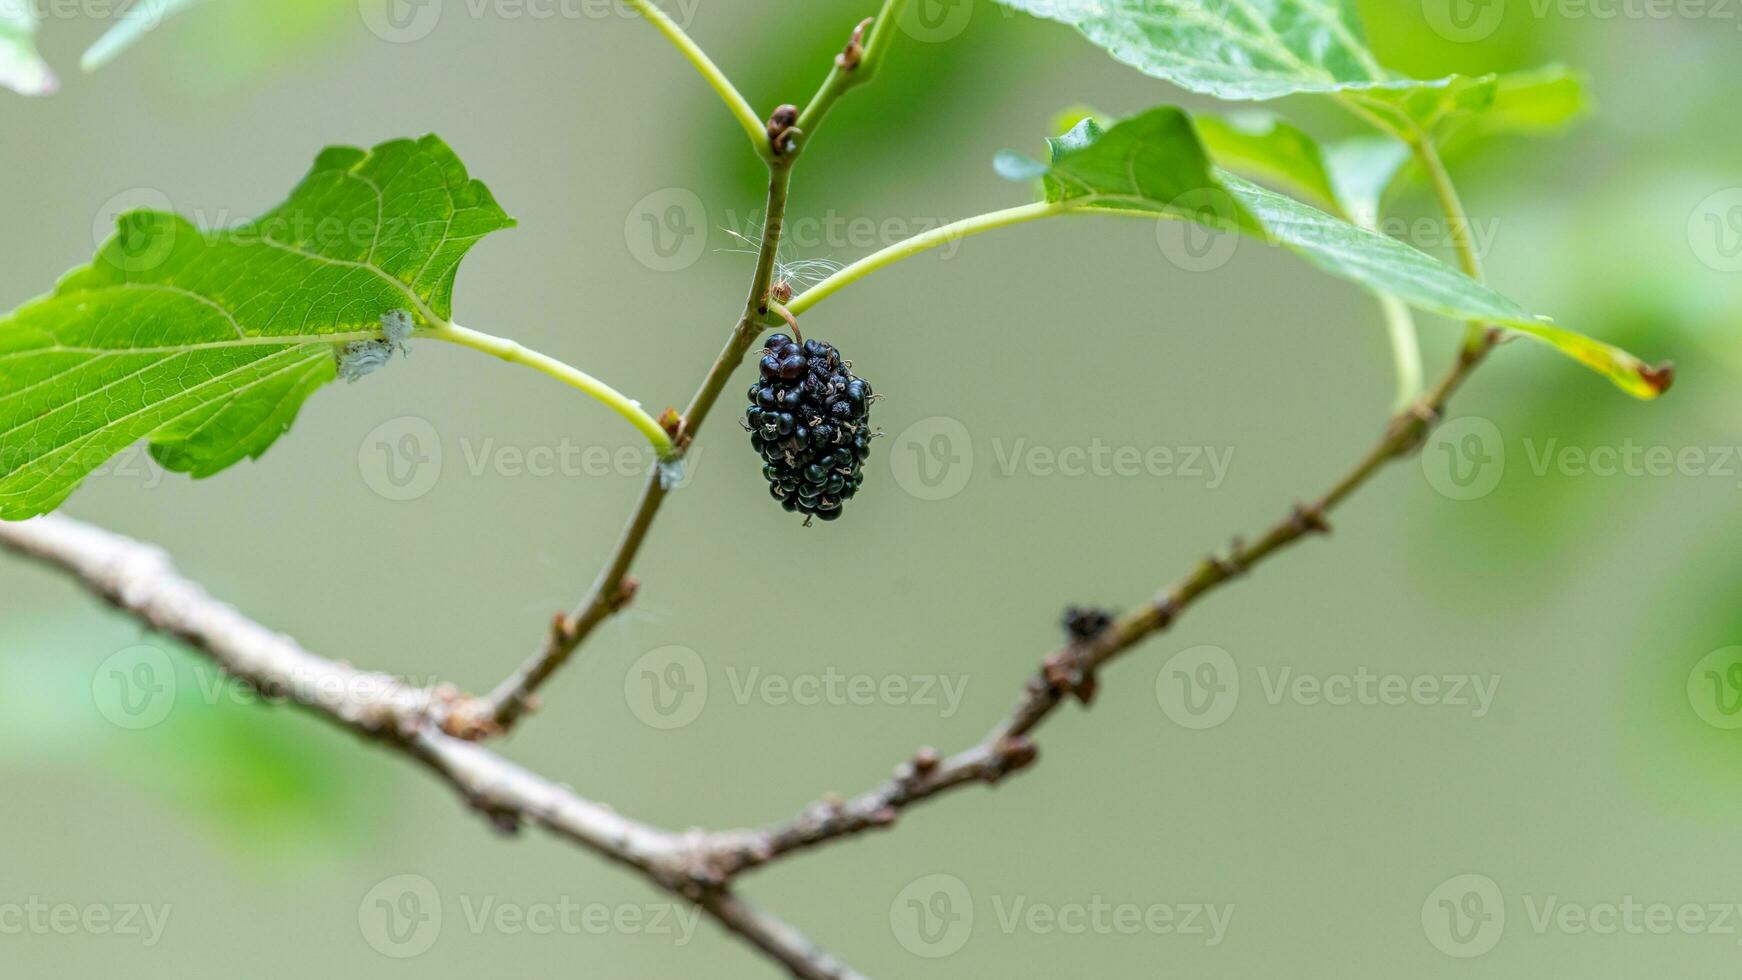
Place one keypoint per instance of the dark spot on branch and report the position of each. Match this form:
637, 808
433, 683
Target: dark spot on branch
1308, 520
1084, 624
1660, 378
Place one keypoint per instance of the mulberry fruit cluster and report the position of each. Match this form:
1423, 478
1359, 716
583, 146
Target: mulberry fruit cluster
809, 418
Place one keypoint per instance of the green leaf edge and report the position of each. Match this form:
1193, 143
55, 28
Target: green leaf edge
1626, 371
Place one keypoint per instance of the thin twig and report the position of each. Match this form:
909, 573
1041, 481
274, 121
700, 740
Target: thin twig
1071, 672
139, 580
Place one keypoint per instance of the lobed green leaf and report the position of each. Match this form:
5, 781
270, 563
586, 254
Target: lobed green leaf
207, 343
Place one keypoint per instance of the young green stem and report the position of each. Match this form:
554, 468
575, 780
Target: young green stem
1405, 349
1459, 223
753, 125
944, 235
842, 78
516, 353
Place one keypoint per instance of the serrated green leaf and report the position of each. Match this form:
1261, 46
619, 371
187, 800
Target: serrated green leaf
21, 68
1232, 49
139, 20
1155, 163
207, 343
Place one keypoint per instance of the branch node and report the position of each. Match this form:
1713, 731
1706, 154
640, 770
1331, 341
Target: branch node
625, 594
1012, 753
1066, 672
1310, 519
925, 760
1234, 564
470, 720
671, 421
562, 629
783, 131
849, 58
1165, 611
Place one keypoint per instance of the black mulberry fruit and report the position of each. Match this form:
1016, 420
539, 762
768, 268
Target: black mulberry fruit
809, 418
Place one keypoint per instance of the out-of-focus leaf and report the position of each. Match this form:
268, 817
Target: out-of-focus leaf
1467, 110
1362, 170
140, 19
1265, 147
1528, 103
269, 779
261, 778
21, 68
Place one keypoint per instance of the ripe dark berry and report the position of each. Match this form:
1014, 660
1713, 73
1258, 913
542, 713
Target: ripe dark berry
809, 420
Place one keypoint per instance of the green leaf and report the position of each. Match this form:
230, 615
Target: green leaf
1352, 177
207, 343
1414, 111
1466, 109
1528, 103
1232, 49
1362, 169
1265, 49
1263, 146
1155, 163
21, 68
140, 19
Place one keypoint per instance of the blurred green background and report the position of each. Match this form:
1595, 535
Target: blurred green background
427, 522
